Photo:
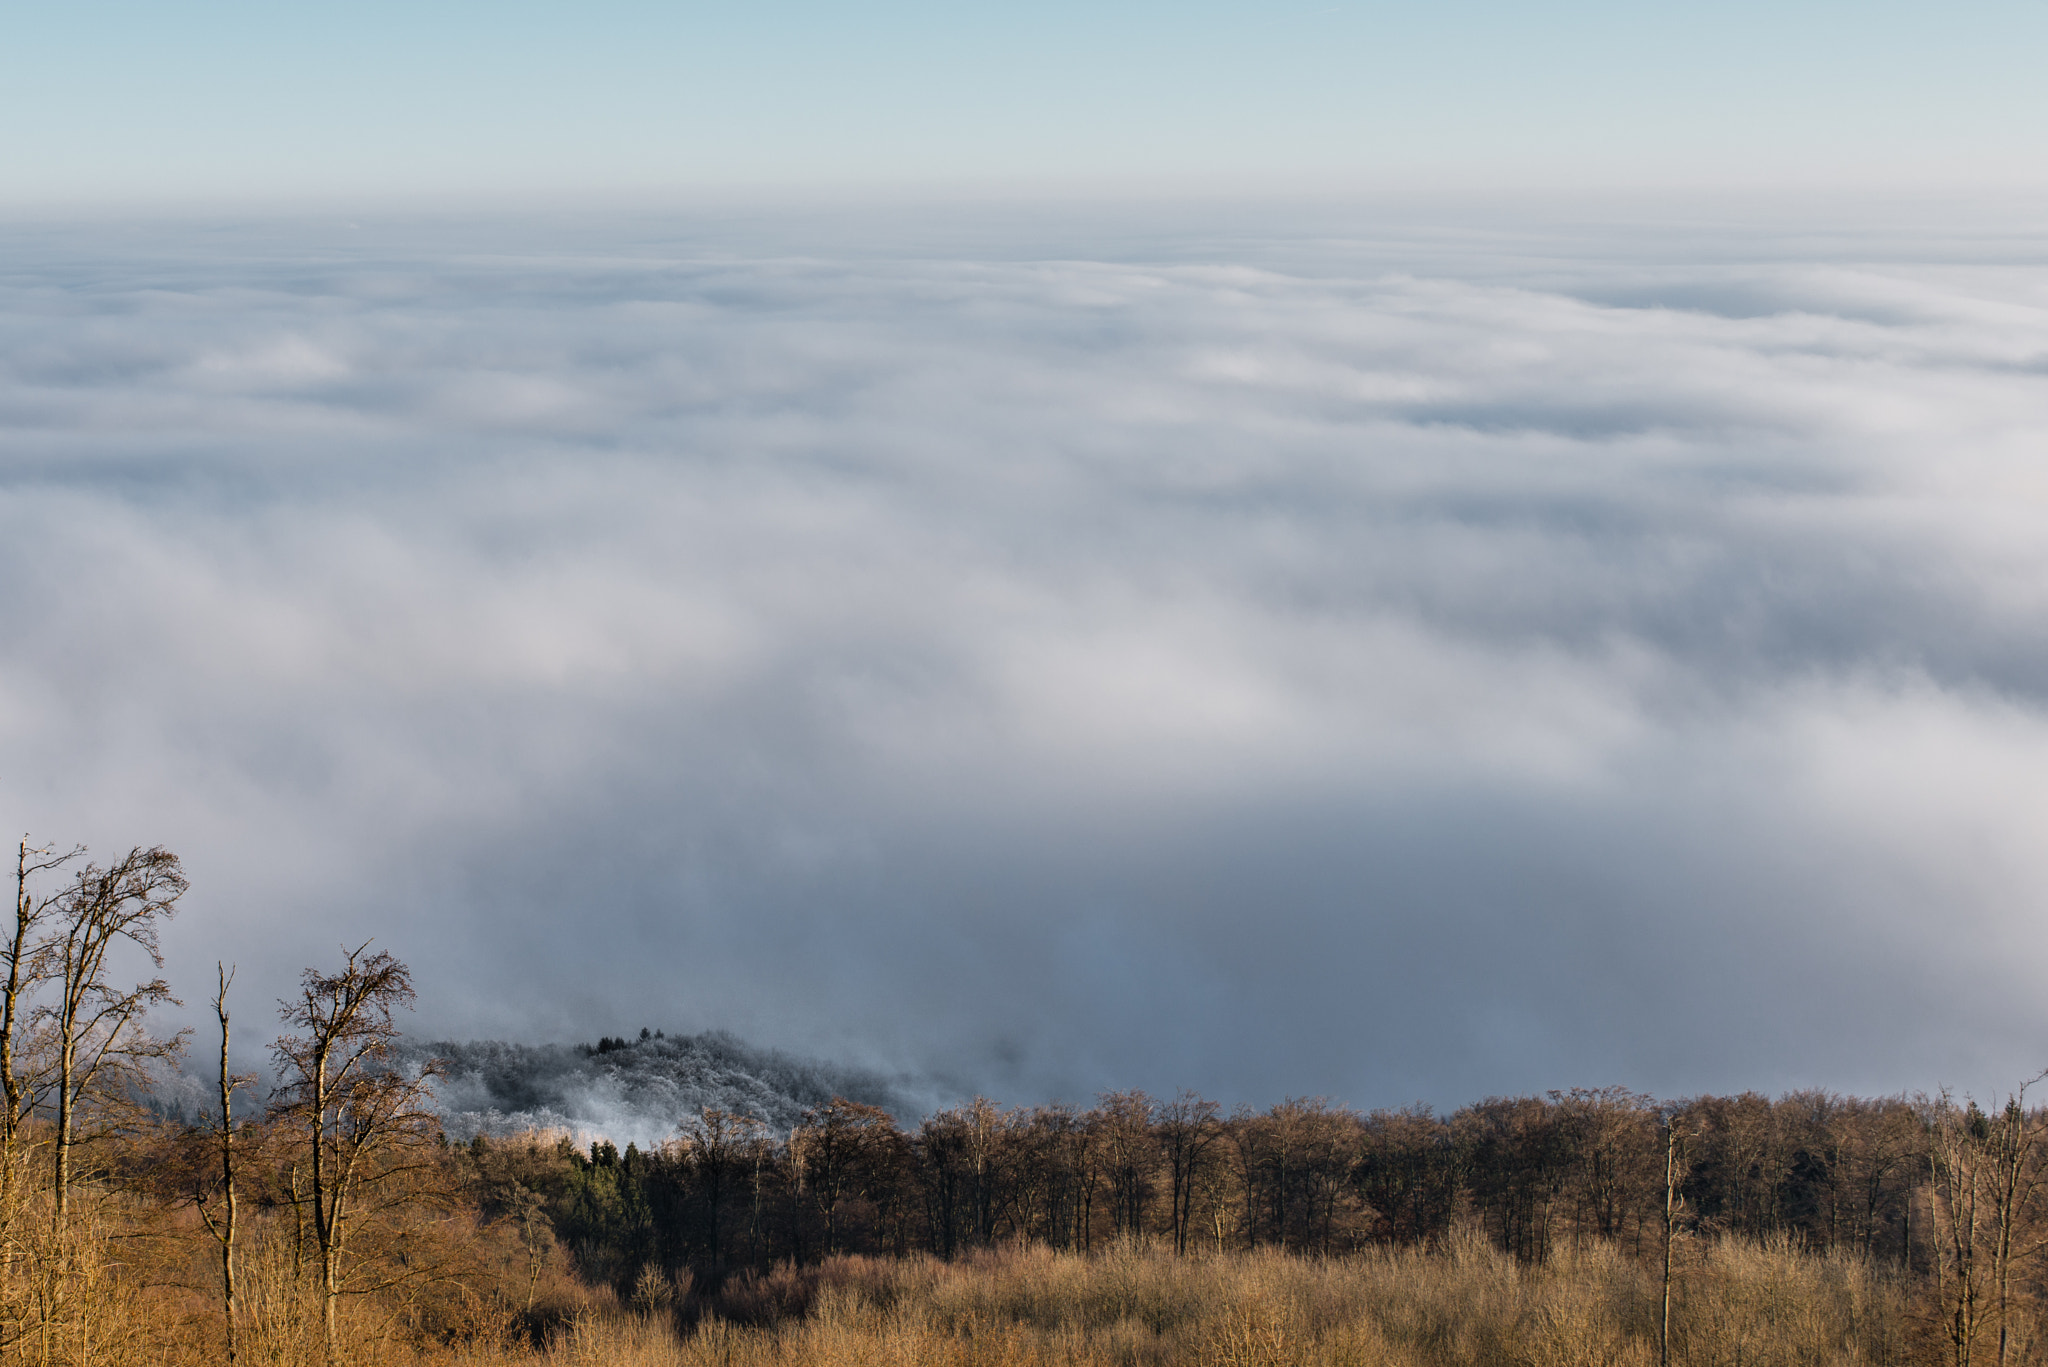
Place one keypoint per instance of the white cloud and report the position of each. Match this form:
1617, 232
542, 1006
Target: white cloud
1314, 667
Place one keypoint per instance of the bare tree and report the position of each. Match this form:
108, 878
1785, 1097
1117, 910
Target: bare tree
1987, 1175
717, 1145
1956, 1136
364, 1119
97, 1037
1188, 1128
988, 1132
1409, 1174
1247, 1156
2016, 1188
1675, 1138
222, 1225
942, 1149
31, 911
1122, 1122
836, 1153
1606, 1133
1056, 1173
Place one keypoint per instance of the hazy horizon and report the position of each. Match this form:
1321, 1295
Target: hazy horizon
118, 102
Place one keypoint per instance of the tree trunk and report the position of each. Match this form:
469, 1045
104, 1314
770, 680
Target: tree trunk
324, 1231
227, 1171
67, 1057
10, 1007
1670, 1213
328, 1294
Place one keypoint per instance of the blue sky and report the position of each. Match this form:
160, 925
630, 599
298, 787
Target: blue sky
113, 101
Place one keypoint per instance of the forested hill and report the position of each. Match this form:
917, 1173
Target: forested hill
638, 1090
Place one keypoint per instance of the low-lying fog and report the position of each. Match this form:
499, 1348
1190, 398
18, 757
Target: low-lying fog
1349, 653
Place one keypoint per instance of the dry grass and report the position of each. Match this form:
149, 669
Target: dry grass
124, 1280
1137, 1307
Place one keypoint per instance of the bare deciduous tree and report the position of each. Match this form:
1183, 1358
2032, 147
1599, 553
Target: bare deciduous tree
1675, 1137
835, 1153
364, 1120
222, 1224
1122, 1122
719, 1145
1607, 1132
986, 1130
1188, 1128
99, 1045
31, 911
942, 1148
1986, 1196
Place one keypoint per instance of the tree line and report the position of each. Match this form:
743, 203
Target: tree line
1536, 1173
1946, 1193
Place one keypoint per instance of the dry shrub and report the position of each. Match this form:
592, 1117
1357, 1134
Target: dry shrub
1251, 1334
787, 1292
73, 1291
120, 1285
1744, 1305
280, 1314
1468, 1306
618, 1341
125, 1280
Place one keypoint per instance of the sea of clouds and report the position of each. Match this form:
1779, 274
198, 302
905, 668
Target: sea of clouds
1348, 653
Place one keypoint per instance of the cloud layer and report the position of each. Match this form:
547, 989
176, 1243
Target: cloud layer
1375, 662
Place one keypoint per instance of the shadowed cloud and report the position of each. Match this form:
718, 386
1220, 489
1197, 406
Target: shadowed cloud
1269, 665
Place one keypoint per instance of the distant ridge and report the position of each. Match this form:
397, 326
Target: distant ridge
637, 1090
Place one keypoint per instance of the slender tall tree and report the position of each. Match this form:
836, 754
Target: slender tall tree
98, 1039
2017, 1175
1675, 1137
223, 1224
32, 909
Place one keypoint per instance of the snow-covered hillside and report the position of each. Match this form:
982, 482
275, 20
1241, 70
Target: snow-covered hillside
639, 1090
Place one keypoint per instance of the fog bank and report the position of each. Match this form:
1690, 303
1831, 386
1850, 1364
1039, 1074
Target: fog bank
1364, 656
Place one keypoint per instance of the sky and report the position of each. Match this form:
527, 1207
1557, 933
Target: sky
1336, 651
1385, 552
106, 102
